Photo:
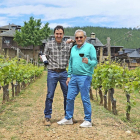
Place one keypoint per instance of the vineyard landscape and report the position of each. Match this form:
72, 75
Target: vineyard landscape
115, 92
114, 115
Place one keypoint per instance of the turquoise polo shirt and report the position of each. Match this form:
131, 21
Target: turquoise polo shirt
76, 66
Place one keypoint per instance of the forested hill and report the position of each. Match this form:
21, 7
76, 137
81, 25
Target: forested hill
129, 38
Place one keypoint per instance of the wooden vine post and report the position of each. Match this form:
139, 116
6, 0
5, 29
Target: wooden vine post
16, 90
18, 87
91, 95
105, 100
113, 101
101, 96
128, 107
114, 107
5, 93
109, 101
12, 84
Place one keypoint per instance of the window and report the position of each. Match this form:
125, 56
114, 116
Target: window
19, 30
134, 61
14, 27
7, 41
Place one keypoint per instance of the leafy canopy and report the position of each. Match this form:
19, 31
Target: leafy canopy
32, 33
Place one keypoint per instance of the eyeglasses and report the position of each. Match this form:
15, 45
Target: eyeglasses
79, 37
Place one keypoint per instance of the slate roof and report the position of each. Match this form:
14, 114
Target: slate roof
96, 42
9, 33
7, 26
132, 53
128, 50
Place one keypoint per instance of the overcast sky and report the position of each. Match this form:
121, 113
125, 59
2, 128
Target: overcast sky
71, 13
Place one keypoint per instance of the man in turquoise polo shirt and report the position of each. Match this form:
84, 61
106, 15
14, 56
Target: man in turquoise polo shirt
81, 66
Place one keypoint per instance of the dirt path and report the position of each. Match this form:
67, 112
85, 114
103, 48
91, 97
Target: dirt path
27, 115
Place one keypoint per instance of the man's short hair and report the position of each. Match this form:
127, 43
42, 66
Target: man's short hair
58, 27
79, 30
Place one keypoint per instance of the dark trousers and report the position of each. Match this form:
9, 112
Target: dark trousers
52, 80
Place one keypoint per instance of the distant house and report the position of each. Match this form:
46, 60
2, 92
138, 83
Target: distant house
6, 36
130, 56
114, 50
102, 50
8, 45
9, 27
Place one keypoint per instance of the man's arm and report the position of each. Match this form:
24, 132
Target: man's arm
46, 50
93, 57
69, 71
70, 41
43, 56
70, 67
67, 82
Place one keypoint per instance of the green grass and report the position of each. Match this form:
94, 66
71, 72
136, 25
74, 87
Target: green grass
15, 138
1, 135
12, 116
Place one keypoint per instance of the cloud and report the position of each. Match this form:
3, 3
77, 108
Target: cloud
11, 3
3, 21
116, 13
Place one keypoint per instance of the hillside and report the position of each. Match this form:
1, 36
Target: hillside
129, 38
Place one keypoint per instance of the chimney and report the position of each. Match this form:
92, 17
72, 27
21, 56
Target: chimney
9, 26
92, 35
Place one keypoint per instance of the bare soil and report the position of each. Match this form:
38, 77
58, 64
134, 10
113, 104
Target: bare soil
29, 115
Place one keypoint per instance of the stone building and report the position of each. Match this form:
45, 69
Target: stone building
9, 47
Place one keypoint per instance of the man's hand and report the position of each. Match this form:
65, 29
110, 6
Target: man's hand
40, 58
69, 41
85, 60
67, 82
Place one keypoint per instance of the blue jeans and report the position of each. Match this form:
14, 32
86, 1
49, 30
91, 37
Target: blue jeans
79, 83
52, 80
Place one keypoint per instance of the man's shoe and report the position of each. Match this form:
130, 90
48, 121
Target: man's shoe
47, 122
86, 124
65, 121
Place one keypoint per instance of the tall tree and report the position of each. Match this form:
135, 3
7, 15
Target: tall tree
32, 34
